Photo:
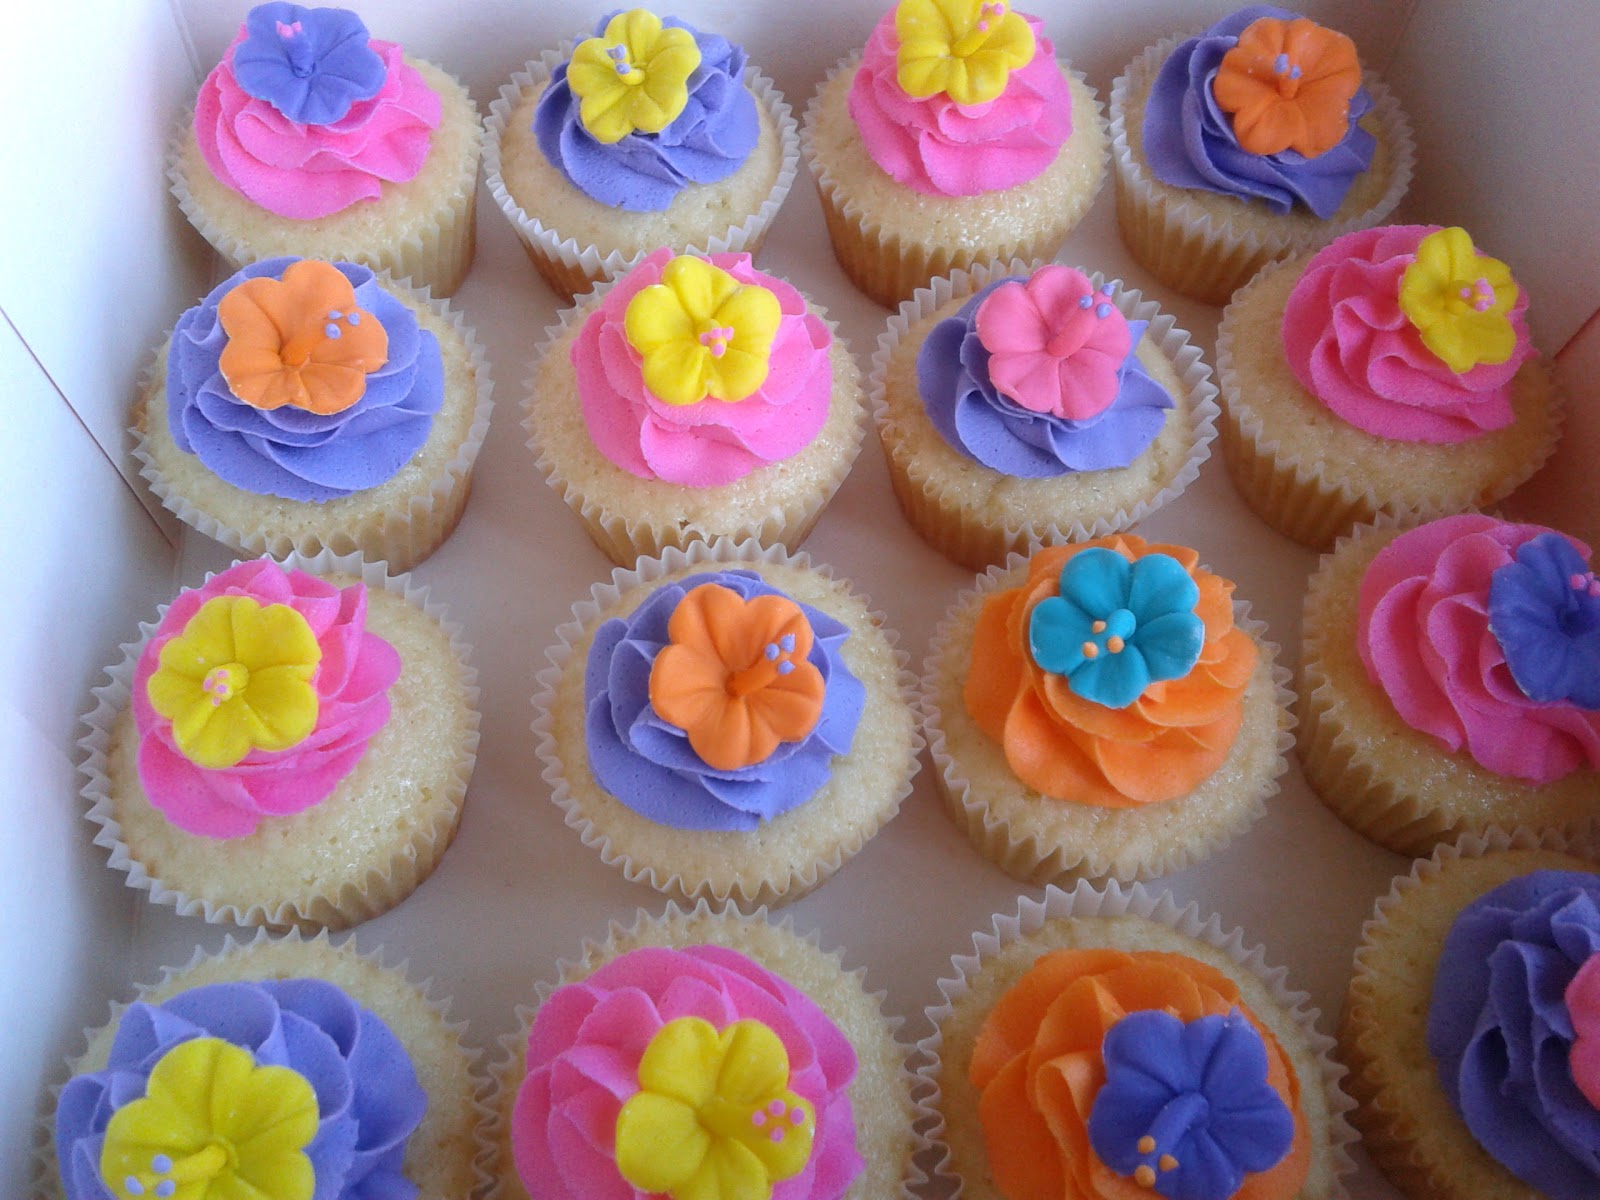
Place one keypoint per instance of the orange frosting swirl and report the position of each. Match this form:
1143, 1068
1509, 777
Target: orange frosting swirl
1037, 1066
1060, 744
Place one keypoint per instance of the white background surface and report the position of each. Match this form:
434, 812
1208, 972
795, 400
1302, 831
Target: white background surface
96, 263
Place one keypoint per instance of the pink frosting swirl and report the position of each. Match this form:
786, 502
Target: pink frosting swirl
356, 670
307, 171
713, 442
1423, 635
1350, 345
583, 1065
942, 148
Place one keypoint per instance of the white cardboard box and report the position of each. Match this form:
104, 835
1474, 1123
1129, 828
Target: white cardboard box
97, 263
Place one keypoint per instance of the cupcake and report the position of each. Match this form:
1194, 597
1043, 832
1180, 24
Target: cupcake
1019, 405
1101, 1045
953, 139
1102, 709
695, 398
285, 746
1451, 682
1259, 139
649, 133
726, 723
277, 1068
1472, 1026
306, 405
699, 1046
1390, 372
310, 137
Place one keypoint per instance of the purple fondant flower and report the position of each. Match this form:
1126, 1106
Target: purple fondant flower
311, 64
1544, 610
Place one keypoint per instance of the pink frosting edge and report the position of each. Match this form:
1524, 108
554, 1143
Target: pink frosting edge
712, 443
357, 670
304, 172
941, 148
658, 984
1448, 678
1328, 316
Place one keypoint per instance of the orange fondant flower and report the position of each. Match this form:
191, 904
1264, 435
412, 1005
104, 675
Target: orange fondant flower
1288, 85
735, 677
1037, 1066
300, 340
1061, 744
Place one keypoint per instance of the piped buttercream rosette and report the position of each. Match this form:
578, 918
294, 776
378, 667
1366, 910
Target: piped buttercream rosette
1447, 685
1073, 711
702, 718
643, 170
1047, 390
1127, 971
236, 732
803, 1088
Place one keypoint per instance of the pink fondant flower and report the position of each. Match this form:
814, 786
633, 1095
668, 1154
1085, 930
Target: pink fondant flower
1055, 345
353, 676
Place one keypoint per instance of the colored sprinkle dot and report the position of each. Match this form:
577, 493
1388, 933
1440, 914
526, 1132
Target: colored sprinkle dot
132, 1186
334, 314
797, 1115
1294, 72
758, 1118
771, 651
1090, 650
1147, 1144
165, 1188
354, 318
1281, 63
1106, 289
1167, 1163
1578, 582
775, 1134
787, 642
161, 1164
776, 1108
332, 330
1115, 644
1145, 1176
785, 667
1100, 627
622, 68
1103, 311
983, 27
1466, 293
1085, 301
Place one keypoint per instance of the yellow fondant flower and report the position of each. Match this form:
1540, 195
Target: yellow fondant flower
963, 48
213, 1126
1459, 301
299, 340
633, 77
713, 1119
237, 679
702, 333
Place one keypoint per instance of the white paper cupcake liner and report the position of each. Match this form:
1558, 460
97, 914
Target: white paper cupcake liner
1355, 789
507, 1070
1114, 900
1208, 259
1394, 1156
887, 268
627, 537
976, 544
402, 536
768, 892
1028, 858
46, 1173
436, 256
1311, 501
347, 904
570, 268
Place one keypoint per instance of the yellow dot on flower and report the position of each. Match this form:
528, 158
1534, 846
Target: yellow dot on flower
1145, 1176
1115, 644
1146, 1144
1090, 650
1098, 627
1167, 1163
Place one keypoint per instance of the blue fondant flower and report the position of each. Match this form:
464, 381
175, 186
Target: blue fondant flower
1544, 610
1186, 1109
311, 64
1118, 627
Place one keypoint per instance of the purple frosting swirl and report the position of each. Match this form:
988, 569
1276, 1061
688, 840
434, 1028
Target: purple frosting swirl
647, 762
288, 451
1501, 1035
1189, 140
970, 414
709, 140
367, 1092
